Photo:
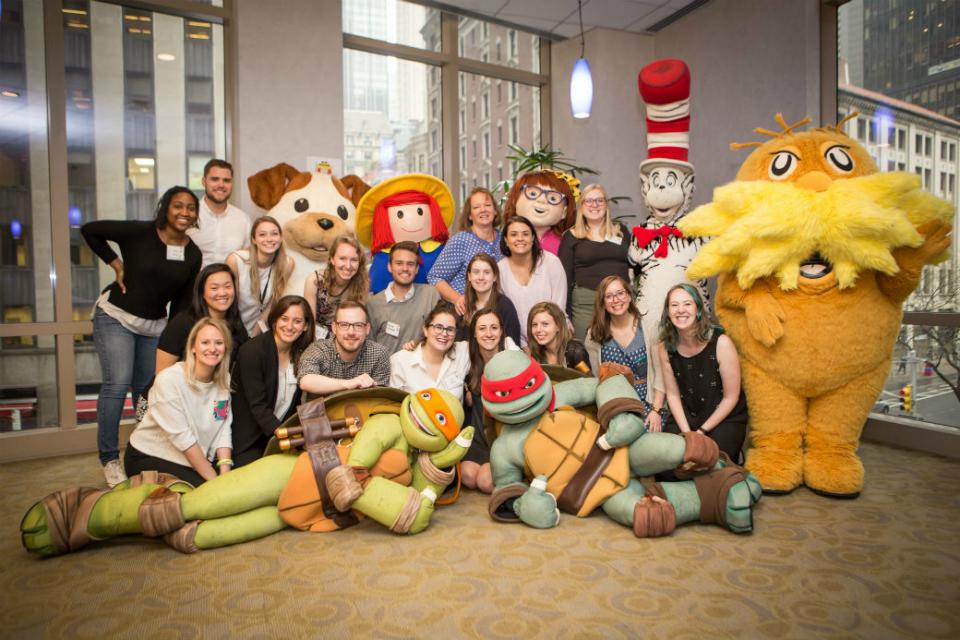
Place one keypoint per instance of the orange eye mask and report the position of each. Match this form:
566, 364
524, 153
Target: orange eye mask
439, 413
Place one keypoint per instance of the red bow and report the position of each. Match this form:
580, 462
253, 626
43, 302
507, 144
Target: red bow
646, 236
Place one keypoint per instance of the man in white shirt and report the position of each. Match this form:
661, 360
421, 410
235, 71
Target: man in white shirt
397, 313
222, 227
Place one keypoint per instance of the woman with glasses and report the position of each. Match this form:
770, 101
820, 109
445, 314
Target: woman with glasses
477, 234
529, 275
439, 361
265, 390
616, 327
593, 248
547, 201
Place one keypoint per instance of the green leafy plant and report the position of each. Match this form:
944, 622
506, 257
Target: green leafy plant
545, 159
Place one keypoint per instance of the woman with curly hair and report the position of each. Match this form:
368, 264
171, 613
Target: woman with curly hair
344, 277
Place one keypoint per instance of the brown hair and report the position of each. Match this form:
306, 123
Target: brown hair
563, 337
406, 245
476, 358
218, 163
600, 323
549, 180
470, 296
442, 307
669, 334
359, 286
464, 223
351, 304
277, 275
309, 327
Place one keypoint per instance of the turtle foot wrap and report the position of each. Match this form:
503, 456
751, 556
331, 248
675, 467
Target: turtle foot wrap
408, 513
68, 513
503, 498
700, 453
160, 513
713, 488
183, 539
155, 477
653, 515
343, 486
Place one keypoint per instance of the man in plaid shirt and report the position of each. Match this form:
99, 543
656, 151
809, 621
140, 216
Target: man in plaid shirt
347, 360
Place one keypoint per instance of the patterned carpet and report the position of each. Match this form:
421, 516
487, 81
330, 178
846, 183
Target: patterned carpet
883, 566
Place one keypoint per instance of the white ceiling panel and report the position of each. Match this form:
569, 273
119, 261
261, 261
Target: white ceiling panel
651, 19
556, 10
612, 14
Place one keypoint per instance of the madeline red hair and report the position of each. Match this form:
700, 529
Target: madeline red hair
383, 235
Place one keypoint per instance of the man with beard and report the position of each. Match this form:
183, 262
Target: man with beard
221, 227
816, 251
347, 360
397, 313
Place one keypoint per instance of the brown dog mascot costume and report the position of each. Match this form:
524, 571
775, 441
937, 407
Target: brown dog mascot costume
816, 252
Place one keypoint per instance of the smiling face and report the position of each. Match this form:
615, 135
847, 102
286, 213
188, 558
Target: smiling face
218, 184
682, 310
667, 190
439, 333
266, 237
519, 238
616, 299
209, 347
488, 332
544, 329
430, 419
350, 328
403, 266
410, 221
290, 325
541, 205
482, 211
181, 212
515, 388
481, 276
218, 293
594, 207
346, 263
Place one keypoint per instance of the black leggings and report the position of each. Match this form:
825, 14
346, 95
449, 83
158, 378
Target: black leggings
135, 461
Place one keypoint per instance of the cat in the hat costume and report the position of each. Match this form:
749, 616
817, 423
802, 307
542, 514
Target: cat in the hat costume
663, 252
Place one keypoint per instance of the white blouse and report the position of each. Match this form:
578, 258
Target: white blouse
409, 373
547, 284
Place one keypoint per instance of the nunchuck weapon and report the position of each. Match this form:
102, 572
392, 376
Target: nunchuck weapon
292, 437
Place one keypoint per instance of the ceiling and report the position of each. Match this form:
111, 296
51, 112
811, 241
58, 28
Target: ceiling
558, 18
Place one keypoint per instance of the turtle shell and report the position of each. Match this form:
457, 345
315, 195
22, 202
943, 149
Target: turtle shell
557, 448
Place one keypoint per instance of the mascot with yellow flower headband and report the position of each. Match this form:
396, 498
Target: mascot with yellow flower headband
816, 252
548, 199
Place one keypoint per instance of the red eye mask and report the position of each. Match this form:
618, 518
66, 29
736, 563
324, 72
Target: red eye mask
518, 386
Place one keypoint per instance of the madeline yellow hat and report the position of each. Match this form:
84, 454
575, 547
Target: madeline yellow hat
429, 185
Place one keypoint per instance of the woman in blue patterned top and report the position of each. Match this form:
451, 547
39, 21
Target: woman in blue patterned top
477, 232
616, 326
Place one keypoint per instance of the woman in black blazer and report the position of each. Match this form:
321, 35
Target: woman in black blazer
265, 390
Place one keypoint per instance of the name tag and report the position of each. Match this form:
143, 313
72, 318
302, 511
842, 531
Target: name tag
392, 329
175, 252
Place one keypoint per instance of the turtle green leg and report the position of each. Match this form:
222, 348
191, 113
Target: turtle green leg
242, 527
620, 505
403, 509
656, 452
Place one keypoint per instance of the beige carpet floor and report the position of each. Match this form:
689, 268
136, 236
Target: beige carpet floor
886, 565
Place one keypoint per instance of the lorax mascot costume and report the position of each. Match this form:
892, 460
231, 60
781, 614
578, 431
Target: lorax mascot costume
816, 251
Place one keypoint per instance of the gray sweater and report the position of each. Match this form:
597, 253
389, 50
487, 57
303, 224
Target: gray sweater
398, 321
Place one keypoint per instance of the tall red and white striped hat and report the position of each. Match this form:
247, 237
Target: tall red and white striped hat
665, 87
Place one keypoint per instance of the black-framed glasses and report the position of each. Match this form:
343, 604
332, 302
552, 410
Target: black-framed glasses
553, 197
442, 328
346, 326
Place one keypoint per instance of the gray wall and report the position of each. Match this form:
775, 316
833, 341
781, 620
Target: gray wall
290, 86
748, 59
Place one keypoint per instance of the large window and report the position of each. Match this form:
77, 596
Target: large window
141, 101
399, 111
899, 68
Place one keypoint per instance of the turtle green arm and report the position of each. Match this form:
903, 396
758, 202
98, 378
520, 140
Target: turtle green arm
625, 428
379, 433
576, 393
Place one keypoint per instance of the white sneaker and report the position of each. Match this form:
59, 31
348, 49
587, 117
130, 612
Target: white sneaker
113, 472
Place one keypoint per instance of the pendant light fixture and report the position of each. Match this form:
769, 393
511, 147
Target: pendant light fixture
581, 80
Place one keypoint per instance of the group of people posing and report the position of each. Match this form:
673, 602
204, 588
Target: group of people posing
237, 356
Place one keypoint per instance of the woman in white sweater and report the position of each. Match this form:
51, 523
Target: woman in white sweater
186, 430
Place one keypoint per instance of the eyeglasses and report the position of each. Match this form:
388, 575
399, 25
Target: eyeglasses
346, 326
615, 295
595, 202
439, 328
553, 197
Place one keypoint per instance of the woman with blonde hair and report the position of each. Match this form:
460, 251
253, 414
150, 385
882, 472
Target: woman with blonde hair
616, 327
262, 272
344, 277
477, 233
186, 430
551, 341
594, 247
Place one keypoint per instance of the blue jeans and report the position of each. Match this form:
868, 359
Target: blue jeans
127, 360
